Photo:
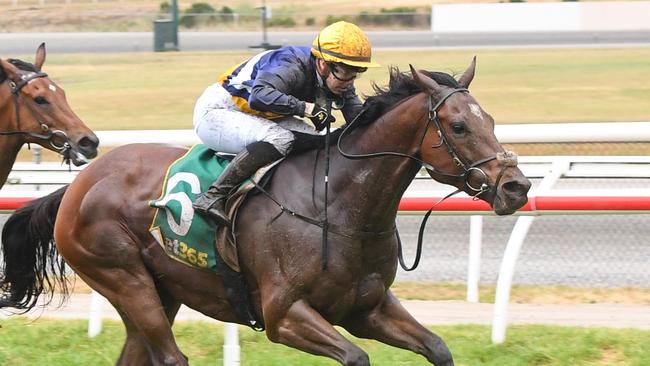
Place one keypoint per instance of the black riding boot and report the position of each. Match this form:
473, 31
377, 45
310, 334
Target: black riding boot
245, 164
238, 295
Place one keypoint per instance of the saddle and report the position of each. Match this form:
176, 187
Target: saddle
187, 236
226, 244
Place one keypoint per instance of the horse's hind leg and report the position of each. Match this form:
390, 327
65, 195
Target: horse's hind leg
109, 261
300, 326
390, 323
135, 350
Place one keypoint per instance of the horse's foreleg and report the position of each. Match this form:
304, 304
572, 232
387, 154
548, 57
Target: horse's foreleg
303, 328
390, 323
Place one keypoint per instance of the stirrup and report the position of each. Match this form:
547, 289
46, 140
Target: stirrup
212, 208
219, 216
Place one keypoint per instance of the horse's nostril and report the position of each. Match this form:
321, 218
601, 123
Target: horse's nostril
88, 146
516, 187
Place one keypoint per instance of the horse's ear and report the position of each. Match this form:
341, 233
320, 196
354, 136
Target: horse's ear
10, 70
40, 56
429, 85
468, 75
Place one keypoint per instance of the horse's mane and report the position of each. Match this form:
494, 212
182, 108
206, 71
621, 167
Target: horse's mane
400, 86
19, 64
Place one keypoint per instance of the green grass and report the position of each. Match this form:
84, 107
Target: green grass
49, 342
158, 90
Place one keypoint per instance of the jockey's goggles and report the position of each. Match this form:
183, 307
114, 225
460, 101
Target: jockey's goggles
344, 74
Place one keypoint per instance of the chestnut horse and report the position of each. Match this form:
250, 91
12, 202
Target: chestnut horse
102, 230
33, 109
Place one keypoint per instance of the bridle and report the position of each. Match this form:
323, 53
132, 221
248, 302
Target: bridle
48, 134
505, 158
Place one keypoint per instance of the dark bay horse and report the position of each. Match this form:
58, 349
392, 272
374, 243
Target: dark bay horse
103, 217
33, 109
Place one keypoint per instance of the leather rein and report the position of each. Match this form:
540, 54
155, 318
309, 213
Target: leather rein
48, 134
506, 159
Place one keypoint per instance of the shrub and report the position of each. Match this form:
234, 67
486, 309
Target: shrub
281, 22
200, 8
164, 7
331, 19
227, 15
377, 19
190, 20
403, 15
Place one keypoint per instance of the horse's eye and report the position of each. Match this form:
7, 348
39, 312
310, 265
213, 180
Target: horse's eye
41, 100
458, 128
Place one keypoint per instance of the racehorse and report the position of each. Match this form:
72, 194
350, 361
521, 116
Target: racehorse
100, 226
33, 109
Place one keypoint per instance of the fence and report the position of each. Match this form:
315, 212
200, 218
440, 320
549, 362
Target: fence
116, 15
538, 205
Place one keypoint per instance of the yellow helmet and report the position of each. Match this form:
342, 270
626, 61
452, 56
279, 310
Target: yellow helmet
344, 43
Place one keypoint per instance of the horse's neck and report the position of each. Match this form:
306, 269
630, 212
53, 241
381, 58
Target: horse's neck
7, 159
371, 188
9, 145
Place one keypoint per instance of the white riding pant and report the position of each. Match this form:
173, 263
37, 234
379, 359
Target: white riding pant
223, 127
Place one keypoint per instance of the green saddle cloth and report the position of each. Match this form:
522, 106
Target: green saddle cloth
185, 235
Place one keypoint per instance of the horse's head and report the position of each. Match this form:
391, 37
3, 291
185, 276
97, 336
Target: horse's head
474, 162
40, 112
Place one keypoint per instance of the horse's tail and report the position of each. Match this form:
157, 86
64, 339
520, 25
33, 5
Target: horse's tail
32, 264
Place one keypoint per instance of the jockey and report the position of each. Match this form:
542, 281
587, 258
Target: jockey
252, 110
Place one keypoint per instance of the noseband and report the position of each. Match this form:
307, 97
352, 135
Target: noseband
48, 134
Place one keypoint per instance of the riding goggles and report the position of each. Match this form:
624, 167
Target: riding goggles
341, 73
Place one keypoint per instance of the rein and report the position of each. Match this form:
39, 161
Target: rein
506, 159
432, 117
49, 134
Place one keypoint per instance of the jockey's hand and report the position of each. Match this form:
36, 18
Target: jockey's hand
318, 115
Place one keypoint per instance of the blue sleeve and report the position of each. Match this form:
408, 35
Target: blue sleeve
272, 91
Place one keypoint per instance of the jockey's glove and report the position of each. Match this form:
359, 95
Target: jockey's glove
318, 115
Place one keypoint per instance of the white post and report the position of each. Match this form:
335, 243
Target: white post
504, 282
433, 8
95, 318
474, 258
230, 345
517, 237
